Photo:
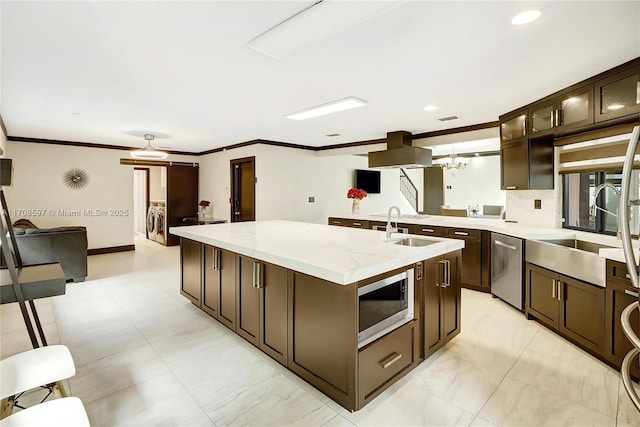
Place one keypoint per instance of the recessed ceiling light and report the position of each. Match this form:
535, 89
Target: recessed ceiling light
331, 107
430, 108
526, 17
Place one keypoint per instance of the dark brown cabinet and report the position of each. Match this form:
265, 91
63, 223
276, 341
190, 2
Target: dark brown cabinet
354, 223
190, 267
618, 95
219, 285
441, 301
574, 308
476, 254
471, 275
620, 293
429, 230
386, 359
527, 165
561, 114
262, 306
513, 127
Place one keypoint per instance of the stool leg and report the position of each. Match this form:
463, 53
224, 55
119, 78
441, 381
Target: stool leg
58, 390
7, 406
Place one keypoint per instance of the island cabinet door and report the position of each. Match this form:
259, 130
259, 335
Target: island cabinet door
190, 260
432, 303
441, 290
227, 299
451, 295
248, 300
211, 281
323, 335
273, 311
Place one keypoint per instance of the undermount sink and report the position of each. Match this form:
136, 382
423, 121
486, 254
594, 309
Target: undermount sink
413, 241
571, 257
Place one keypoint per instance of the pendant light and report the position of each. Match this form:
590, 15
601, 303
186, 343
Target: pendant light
149, 152
452, 163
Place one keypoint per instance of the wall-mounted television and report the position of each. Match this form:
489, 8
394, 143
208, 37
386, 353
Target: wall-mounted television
367, 180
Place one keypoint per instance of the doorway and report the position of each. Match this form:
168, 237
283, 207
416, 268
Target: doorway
140, 200
243, 189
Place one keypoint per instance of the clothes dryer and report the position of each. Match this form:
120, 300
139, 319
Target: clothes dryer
151, 223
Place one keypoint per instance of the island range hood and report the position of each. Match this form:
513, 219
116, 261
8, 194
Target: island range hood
400, 153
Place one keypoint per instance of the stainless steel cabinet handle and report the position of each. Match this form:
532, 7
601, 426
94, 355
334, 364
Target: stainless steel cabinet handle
448, 264
393, 358
255, 275
553, 289
560, 288
214, 264
505, 245
511, 187
357, 224
443, 274
460, 233
427, 230
633, 294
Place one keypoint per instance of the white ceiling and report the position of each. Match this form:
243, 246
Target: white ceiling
108, 72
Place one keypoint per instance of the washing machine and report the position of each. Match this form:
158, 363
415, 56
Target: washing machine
151, 223
160, 225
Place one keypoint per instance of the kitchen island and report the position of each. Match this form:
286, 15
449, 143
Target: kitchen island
292, 290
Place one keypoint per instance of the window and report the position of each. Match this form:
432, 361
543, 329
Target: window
581, 211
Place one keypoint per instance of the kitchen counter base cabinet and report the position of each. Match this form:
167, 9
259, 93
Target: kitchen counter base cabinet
323, 338
573, 308
386, 360
620, 293
191, 270
311, 325
441, 301
262, 306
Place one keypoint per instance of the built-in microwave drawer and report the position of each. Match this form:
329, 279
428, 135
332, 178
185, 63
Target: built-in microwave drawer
385, 358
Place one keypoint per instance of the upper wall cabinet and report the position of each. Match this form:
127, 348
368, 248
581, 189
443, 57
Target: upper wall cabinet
618, 95
524, 164
562, 114
513, 127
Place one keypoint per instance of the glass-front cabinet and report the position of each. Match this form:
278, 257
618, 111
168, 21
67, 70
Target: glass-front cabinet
513, 127
618, 95
560, 114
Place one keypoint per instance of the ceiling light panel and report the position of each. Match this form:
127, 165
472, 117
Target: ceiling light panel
324, 109
315, 23
526, 17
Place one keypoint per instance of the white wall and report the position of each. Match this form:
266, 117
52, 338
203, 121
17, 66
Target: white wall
37, 184
157, 183
288, 177
477, 184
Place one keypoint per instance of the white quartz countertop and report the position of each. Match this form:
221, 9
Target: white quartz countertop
337, 254
522, 231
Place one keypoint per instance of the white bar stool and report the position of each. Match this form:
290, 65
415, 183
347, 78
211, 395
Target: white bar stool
65, 412
44, 366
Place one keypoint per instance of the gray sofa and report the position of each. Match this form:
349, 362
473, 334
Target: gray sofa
66, 245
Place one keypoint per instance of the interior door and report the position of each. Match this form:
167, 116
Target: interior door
182, 196
243, 193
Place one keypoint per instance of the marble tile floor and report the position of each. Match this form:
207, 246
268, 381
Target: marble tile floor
146, 356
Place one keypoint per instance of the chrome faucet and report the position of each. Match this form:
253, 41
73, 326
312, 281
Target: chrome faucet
391, 229
595, 207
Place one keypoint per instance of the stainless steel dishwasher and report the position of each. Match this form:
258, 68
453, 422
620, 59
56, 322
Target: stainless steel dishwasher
506, 269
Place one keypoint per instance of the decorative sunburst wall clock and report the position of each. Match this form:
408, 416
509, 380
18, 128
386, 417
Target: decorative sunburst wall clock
75, 178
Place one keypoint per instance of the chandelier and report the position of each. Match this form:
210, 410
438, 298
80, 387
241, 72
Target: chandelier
149, 152
452, 163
